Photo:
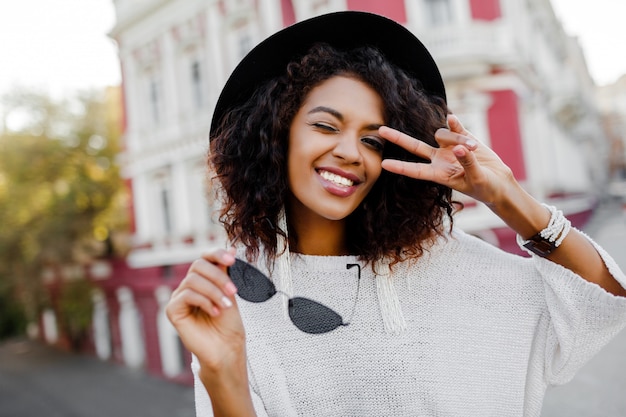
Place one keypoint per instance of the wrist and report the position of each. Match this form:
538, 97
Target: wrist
228, 388
520, 211
547, 240
228, 373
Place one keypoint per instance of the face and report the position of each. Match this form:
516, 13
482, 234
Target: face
335, 151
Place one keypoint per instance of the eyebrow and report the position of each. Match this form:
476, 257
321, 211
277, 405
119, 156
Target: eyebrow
339, 116
324, 109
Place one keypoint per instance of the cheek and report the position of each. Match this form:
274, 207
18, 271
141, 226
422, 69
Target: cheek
303, 153
296, 166
291, 167
374, 167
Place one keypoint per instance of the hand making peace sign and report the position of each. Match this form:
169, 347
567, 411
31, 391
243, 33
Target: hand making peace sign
461, 162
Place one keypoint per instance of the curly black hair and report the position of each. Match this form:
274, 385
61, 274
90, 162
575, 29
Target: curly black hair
248, 150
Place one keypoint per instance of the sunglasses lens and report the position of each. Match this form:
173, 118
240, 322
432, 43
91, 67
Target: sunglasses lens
252, 285
312, 317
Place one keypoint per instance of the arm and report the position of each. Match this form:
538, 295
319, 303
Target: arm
526, 216
203, 309
464, 164
228, 389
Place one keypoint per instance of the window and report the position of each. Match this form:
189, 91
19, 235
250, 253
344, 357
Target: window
439, 12
245, 44
242, 32
197, 84
155, 100
320, 6
199, 208
161, 209
166, 210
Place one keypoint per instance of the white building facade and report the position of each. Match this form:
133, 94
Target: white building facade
515, 79
612, 102
175, 57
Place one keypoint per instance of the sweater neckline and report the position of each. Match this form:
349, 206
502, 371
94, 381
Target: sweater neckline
322, 262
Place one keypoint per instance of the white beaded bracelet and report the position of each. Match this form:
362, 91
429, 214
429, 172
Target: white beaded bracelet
550, 238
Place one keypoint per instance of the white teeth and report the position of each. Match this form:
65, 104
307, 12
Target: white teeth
337, 179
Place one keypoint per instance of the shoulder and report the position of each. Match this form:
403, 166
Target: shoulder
463, 244
461, 254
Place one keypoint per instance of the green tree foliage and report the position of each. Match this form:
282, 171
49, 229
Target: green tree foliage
12, 318
75, 310
60, 189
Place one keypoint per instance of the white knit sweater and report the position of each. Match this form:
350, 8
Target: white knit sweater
486, 333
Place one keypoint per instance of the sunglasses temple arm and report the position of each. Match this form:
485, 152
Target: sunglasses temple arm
358, 287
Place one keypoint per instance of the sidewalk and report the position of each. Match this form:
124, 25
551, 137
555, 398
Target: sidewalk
599, 389
37, 380
608, 227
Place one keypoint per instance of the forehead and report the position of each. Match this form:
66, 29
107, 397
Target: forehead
344, 93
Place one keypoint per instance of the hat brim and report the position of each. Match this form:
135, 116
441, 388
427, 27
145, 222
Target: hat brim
343, 30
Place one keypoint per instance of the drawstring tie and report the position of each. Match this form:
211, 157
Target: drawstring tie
389, 304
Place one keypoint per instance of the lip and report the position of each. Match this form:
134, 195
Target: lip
354, 178
335, 189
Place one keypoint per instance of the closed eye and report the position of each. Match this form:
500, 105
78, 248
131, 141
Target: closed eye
324, 127
374, 142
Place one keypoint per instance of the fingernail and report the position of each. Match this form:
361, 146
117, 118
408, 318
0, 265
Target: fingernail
228, 257
230, 288
226, 302
471, 143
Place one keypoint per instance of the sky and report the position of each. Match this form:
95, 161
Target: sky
600, 29
61, 46
57, 46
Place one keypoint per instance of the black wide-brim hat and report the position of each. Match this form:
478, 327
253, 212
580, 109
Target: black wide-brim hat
342, 30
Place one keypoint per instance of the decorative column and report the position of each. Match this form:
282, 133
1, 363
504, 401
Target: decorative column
50, 330
130, 329
101, 326
169, 343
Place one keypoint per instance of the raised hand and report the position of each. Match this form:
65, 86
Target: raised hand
461, 162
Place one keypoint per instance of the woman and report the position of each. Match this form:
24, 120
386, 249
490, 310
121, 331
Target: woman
336, 158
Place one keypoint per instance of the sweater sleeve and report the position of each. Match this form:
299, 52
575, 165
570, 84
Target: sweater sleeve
203, 401
583, 317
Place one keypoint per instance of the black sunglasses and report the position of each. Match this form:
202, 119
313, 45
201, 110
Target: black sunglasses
307, 315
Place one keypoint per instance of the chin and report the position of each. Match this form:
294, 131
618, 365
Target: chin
336, 215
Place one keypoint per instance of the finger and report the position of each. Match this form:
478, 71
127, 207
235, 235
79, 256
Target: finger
215, 273
455, 126
446, 137
186, 302
467, 159
207, 288
409, 169
415, 146
224, 257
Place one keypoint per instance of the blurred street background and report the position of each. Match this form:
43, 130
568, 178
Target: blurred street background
104, 111
37, 380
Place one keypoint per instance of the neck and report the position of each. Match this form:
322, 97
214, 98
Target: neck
319, 236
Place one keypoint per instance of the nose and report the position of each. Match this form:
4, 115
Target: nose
347, 148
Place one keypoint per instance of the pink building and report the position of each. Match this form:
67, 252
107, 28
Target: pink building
513, 76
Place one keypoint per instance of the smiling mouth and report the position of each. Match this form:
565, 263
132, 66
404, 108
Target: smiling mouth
336, 179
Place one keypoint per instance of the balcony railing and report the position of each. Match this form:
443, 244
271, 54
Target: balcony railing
490, 42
